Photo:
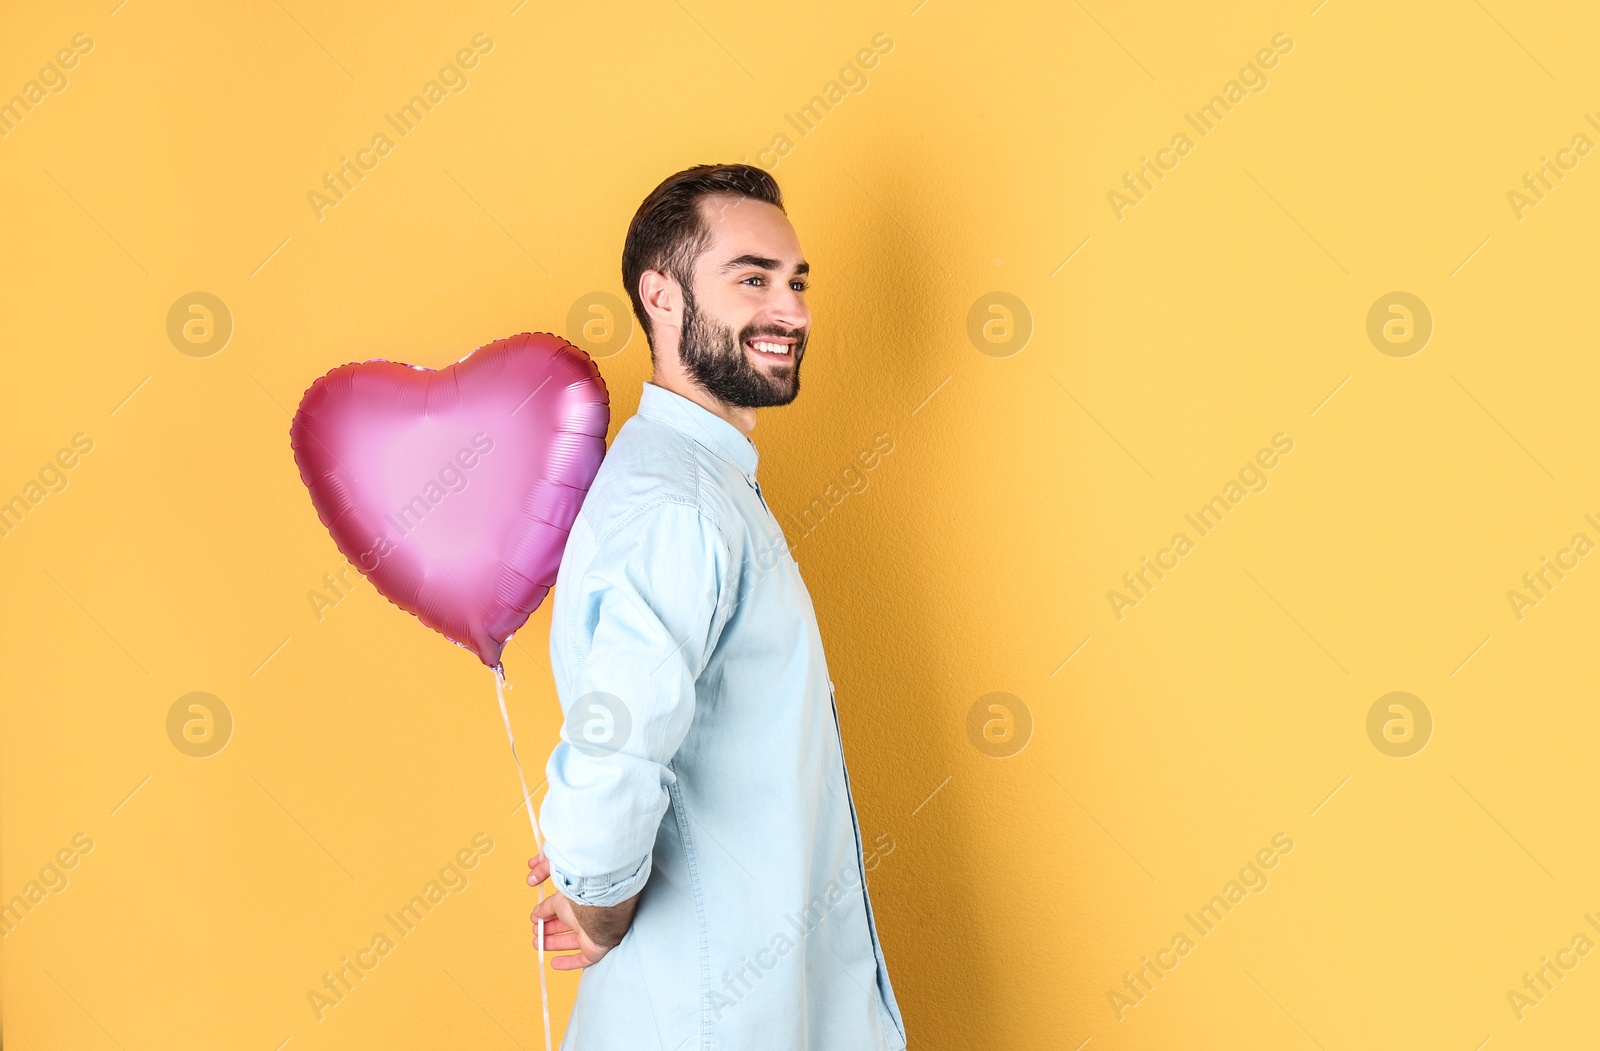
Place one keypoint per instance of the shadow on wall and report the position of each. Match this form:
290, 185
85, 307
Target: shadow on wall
882, 608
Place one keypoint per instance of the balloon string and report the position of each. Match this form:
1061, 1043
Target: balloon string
500, 688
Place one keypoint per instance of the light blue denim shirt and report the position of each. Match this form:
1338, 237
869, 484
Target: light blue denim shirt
700, 763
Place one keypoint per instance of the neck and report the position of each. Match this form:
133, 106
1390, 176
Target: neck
678, 382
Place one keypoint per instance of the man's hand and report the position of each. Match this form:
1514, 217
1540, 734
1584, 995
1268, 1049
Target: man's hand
591, 930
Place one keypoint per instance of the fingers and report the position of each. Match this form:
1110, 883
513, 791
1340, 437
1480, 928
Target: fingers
552, 924
570, 962
559, 935
539, 870
557, 942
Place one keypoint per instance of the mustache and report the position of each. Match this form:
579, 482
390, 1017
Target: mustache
797, 334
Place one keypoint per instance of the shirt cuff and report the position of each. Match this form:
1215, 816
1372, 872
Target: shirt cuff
601, 891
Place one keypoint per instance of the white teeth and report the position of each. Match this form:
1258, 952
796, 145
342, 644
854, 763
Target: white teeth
770, 348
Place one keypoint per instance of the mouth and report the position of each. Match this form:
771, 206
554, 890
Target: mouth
781, 347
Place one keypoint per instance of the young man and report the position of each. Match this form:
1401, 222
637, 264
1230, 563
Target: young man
699, 830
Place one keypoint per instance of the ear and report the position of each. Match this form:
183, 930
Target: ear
663, 300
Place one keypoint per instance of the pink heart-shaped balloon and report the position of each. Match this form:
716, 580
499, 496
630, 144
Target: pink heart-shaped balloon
454, 491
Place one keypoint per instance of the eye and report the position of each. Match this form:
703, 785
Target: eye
758, 280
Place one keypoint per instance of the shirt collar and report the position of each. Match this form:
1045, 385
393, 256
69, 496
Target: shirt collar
701, 424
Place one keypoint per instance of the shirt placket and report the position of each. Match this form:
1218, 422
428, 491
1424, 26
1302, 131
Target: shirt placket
884, 991
757, 487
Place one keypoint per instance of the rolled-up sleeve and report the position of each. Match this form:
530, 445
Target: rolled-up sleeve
648, 610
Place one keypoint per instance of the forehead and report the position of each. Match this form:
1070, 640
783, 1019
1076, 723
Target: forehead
745, 226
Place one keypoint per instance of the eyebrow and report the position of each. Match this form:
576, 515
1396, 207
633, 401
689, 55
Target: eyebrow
762, 263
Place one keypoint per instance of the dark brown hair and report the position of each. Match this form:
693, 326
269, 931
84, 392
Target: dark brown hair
668, 233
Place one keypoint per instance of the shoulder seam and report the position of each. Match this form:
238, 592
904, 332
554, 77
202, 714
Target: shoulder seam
668, 498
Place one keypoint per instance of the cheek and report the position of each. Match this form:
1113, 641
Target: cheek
737, 319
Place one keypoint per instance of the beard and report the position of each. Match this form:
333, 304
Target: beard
717, 362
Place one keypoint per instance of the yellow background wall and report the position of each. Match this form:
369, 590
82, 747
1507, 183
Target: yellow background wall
1167, 342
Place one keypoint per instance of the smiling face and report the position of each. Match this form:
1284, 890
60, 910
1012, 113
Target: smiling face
745, 321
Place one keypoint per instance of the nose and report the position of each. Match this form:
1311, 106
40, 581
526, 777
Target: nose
789, 309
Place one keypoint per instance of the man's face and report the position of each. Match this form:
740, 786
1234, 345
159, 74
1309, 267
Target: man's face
745, 320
